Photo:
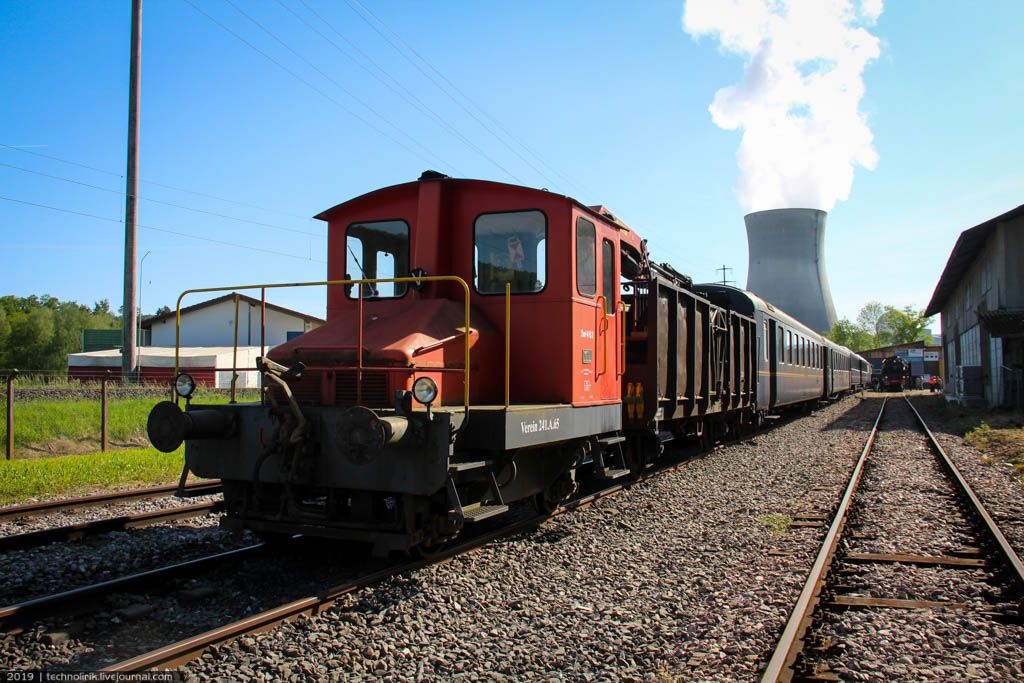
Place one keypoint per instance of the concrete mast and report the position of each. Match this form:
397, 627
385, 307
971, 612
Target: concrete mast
131, 205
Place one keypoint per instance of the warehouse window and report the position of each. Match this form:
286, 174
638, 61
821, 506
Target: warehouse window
377, 250
510, 248
970, 347
586, 257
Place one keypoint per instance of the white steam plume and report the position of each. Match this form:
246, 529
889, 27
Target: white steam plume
798, 102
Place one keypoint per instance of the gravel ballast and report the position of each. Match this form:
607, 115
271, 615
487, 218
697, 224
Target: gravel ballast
906, 504
681, 576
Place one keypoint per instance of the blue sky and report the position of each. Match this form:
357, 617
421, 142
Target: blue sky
612, 98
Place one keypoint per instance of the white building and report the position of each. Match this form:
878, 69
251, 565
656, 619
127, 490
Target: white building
209, 366
212, 324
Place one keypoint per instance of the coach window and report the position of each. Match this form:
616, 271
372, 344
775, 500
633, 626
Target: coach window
608, 275
586, 257
377, 250
764, 338
510, 248
789, 347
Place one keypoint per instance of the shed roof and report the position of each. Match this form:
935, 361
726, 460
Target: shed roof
964, 252
148, 322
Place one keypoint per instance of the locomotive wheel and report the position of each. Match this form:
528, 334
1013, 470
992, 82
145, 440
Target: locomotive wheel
432, 549
551, 498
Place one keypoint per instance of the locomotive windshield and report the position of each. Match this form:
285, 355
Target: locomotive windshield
510, 248
377, 250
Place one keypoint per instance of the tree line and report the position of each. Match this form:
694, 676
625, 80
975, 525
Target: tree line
38, 332
879, 325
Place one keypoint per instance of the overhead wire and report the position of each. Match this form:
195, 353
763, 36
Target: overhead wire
160, 229
352, 5
158, 201
398, 89
338, 85
311, 86
153, 183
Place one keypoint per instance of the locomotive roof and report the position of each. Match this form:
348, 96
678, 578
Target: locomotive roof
599, 211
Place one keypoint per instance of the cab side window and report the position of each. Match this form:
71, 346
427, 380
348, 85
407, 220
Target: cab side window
586, 257
608, 275
510, 248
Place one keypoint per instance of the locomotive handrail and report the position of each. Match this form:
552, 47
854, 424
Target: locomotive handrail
508, 337
328, 283
622, 339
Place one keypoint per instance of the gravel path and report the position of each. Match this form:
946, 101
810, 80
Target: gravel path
906, 505
680, 578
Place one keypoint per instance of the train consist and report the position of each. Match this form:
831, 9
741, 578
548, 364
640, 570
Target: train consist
485, 344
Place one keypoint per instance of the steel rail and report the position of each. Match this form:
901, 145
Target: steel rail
71, 532
58, 602
1003, 546
196, 488
780, 666
189, 649
184, 651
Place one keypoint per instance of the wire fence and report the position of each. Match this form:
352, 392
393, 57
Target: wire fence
80, 411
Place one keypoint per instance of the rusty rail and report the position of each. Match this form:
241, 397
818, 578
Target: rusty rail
780, 666
198, 488
996, 536
58, 603
71, 532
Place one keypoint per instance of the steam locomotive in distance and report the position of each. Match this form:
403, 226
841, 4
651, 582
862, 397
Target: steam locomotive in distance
895, 375
486, 344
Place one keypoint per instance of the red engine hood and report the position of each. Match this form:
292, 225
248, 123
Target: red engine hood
394, 332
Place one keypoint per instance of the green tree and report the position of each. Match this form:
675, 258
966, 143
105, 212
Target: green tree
906, 325
38, 333
850, 335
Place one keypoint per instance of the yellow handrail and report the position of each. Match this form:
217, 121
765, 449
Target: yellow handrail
425, 278
622, 338
234, 354
602, 324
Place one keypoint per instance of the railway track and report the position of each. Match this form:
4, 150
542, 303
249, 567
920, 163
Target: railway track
186, 650
73, 532
15, 618
802, 655
193, 489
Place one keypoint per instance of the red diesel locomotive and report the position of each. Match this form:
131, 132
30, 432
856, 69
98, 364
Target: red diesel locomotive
485, 343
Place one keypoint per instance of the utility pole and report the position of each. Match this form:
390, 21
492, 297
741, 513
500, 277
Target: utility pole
131, 205
723, 269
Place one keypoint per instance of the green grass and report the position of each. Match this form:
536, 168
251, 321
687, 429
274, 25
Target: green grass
776, 522
62, 426
21, 480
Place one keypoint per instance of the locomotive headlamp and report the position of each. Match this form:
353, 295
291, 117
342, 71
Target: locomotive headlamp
425, 390
184, 385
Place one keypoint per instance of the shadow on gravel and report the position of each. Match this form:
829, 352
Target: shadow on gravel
861, 413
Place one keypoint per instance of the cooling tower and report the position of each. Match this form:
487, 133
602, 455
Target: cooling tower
787, 264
